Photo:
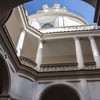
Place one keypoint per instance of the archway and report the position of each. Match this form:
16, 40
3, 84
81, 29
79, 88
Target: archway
59, 92
4, 77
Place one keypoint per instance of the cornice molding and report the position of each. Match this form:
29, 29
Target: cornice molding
80, 34
26, 26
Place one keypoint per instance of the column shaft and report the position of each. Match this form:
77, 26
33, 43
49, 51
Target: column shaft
39, 55
84, 89
79, 54
95, 51
20, 43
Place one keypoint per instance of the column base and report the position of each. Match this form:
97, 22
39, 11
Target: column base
81, 68
37, 68
97, 67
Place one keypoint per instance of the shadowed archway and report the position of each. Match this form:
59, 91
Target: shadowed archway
4, 77
59, 92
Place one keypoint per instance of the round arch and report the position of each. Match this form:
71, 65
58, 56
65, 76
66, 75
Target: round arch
4, 77
59, 92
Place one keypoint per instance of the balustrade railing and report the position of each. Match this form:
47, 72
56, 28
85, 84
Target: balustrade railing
58, 67
27, 62
66, 66
68, 29
90, 65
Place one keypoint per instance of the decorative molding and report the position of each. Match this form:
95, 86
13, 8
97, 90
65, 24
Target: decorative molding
26, 25
45, 82
90, 65
58, 67
27, 62
54, 8
26, 77
58, 30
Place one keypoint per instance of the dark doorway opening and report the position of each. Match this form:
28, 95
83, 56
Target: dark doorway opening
4, 77
60, 92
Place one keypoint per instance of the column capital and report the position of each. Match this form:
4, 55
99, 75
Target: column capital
91, 37
76, 37
42, 41
22, 30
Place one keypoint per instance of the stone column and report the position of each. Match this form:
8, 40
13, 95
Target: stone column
95, 51
20, 43
79, 54
39, 55
84, 89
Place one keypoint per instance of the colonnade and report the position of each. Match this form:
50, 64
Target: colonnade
79, 54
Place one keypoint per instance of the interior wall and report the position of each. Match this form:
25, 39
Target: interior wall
86, 50
94, 89
14, 26
97, 39
59, 59
59, 51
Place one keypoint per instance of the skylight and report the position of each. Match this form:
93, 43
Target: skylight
78, 7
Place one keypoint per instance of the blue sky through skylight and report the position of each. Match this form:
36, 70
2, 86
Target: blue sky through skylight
78, 7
